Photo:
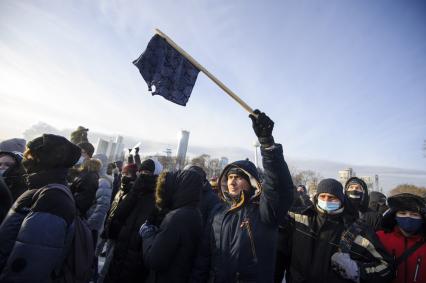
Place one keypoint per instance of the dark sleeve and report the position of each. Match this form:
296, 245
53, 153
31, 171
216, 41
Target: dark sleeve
124, 208
5, 199
380, 267
277, 195
202, 264
159, 249
84, 192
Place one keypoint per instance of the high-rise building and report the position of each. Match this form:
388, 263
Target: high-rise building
113, 150
345, 175
182, 148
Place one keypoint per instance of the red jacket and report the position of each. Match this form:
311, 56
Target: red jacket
396, 243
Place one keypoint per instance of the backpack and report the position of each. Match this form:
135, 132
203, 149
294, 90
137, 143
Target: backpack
77, 264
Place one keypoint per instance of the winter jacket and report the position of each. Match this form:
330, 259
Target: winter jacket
98, 211
209, 200
413, 269
14, 176
111, 229
314, 237
372, 218
170, 253
127, 262
5, 199
240, 245
33, 235
84, 190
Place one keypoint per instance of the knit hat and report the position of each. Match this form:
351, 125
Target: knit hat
376, 197
13, 145
52, 151
196, 169
333, 187
87, 147
79, 135
152, 166
130, 169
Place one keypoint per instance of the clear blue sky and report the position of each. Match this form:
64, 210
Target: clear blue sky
343, 80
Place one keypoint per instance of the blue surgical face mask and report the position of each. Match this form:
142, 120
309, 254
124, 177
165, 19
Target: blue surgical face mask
409, 225
329, 206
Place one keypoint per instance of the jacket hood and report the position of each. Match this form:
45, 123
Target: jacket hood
365, 197
250, 170
17, 156
404, 201
178, 189
376, 197
104, 160
12, 145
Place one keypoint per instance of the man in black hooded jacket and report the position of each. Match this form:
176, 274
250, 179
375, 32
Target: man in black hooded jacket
356, 192
240, 244
328, 245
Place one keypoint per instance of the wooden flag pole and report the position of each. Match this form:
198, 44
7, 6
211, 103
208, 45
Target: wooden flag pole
207, 73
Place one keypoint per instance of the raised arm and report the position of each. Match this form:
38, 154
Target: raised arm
277, 188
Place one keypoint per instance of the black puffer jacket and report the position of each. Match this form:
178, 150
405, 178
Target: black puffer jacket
5, 199
242, 239
84, 190
14, 177
127, 262
170, 253
32, 241
314, 237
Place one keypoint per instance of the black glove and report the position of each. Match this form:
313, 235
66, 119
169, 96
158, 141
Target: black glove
263, 126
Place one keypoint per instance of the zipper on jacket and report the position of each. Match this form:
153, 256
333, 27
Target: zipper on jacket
246, 224
405, 262
394, 260
416, 273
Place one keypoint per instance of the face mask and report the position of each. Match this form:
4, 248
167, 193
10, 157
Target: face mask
355, 198
30, 165
355, 194
409, 225
328, 205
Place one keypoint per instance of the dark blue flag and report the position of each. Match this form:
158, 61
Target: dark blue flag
165, 68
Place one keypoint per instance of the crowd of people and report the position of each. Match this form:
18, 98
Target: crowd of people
62, 208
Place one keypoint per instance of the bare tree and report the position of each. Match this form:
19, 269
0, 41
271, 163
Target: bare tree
411, 189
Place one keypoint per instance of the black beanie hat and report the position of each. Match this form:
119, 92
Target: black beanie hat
147, 165
88, 148
331, 186
54, 151
238, 172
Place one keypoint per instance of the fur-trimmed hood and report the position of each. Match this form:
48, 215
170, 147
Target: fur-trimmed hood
250, 170
178, 189
404, 201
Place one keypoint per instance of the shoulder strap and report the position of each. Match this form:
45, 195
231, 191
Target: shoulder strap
409, 252
60, 187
